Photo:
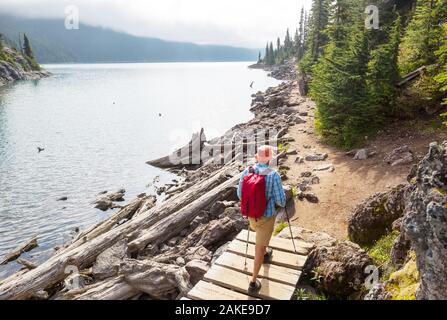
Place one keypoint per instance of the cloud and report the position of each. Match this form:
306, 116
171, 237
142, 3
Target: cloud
247, 23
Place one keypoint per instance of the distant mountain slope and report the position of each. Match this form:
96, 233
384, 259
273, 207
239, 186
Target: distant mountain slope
52, 43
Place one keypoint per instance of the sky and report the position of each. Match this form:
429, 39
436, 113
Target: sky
243, 23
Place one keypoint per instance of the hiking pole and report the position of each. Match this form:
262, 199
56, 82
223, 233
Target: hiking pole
290, 228
246, 247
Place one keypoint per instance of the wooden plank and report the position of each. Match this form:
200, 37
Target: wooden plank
280, 258
268, 271
281, 244
208, 291
239, 282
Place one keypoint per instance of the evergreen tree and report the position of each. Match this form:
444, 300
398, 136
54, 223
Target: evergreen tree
287, 43
259, 57
423, 35
441, 77
1, 43
296, 44
315, 35
267, 54
301, 35
27, 50
320, 19
383, 70
271, 60
339, 82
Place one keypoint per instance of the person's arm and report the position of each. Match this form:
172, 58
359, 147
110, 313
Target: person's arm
278, 191
239, 188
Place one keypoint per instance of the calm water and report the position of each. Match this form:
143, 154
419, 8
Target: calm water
98, 125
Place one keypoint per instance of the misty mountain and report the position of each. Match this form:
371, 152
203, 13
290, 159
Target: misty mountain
52, 43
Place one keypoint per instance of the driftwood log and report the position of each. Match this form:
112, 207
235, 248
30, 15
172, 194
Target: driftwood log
27, 264
17, 252
183, 156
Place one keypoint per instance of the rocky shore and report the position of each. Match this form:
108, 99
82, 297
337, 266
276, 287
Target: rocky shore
16, 67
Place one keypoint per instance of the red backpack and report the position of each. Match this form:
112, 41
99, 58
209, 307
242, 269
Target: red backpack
253, 202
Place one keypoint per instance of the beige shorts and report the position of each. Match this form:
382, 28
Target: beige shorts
264, 229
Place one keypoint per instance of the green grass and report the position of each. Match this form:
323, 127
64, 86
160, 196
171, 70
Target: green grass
295, 192
283, 147
303, 294
280, 227
380, 252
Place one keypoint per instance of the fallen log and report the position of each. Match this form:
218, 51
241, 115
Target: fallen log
110, 289
173, 224
17, 252
412, 75
27, 264
206, 235
182, 156
126, 213
14, 276
83, 255
159, 281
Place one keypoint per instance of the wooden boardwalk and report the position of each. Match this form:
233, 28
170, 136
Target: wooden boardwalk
228, 277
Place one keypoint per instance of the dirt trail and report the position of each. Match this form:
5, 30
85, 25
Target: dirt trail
352, 181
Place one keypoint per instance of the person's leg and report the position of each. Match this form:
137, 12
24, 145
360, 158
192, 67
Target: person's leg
259, 259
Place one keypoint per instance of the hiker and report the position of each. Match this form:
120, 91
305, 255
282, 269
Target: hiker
261, 192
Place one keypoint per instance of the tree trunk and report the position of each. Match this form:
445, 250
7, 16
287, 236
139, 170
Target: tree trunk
17, 252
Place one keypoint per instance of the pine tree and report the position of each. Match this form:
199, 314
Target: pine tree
267, 54
423, 35
320, 18
28, 51
259, 57
1, 43
271, 60
339, 85
315, 36
28, 54
383, 70
441, 77
301, 34
287, 43
296, 44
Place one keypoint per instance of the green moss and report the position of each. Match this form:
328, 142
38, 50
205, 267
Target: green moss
404, 283
280, 227
303, 294
283, 147
295, 192
380, 252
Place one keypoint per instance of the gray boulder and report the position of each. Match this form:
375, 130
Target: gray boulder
425, 222
361, 154
400, 156
378, 292
339, 270
374, 217
108, 262
316, 157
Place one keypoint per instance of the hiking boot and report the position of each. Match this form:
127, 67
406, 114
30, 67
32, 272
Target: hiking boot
268, 255
254, 287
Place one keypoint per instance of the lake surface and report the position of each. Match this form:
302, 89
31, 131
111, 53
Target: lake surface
99, 124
